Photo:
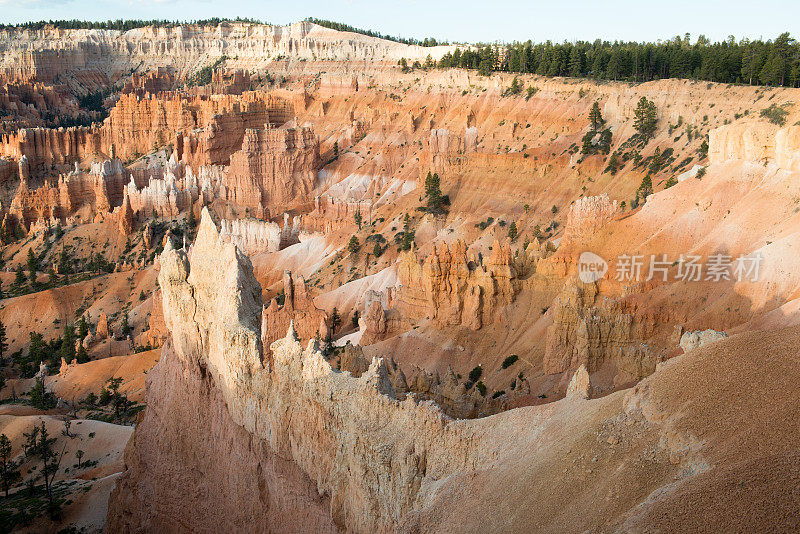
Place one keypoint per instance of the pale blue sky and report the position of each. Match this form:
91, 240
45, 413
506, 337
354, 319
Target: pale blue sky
461, 20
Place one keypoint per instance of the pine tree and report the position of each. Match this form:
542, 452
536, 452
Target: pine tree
19, 279
3, 341
50, 462
126, 327
83, 327
68, 343
335, 320
404, 64
596, 120
81, 355
119, 400
512, 231
645, 117
575, 62
357, 218
353, 245
8, 473
408, 233
645, 188
433, 192
63, 262
31, 266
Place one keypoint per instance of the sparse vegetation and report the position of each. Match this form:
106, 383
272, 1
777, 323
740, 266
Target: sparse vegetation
775, 114
509, 361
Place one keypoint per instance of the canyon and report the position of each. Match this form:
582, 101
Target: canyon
346, 296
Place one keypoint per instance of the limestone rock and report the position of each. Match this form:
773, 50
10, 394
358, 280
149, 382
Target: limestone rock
580, 385
452, 287
698, 338
126, 218
298, 308
103, 331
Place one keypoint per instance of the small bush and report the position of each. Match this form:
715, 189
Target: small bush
511, 360
775, 114
475, 374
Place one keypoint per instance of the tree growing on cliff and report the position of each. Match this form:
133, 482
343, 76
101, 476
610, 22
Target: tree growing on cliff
357, 218
703, 150
645, 188
125, 330
645, 117
335, 320
67, 350
353, 245
19, 279
403, 63
3, 342
81, 355
119, 400
50, 462
83, 327
40, 397
64, 263
8, 472
408, 234
512, 231
432, 190
596, 120
31, 267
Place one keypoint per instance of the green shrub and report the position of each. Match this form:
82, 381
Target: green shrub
476, 373
775, 114
509, 361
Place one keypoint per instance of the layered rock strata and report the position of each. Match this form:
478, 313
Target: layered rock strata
454, 287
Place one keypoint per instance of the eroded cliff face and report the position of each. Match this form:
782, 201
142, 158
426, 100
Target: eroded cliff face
368, 465
454, 287
274, 170
297, 311
101, 188
231, 442
242, 486
92, 55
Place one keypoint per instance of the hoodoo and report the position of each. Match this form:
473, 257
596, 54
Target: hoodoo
311, 278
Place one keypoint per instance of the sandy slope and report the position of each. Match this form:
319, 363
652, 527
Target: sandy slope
102, 443
706, 444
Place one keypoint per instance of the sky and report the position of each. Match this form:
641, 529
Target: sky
462, 20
